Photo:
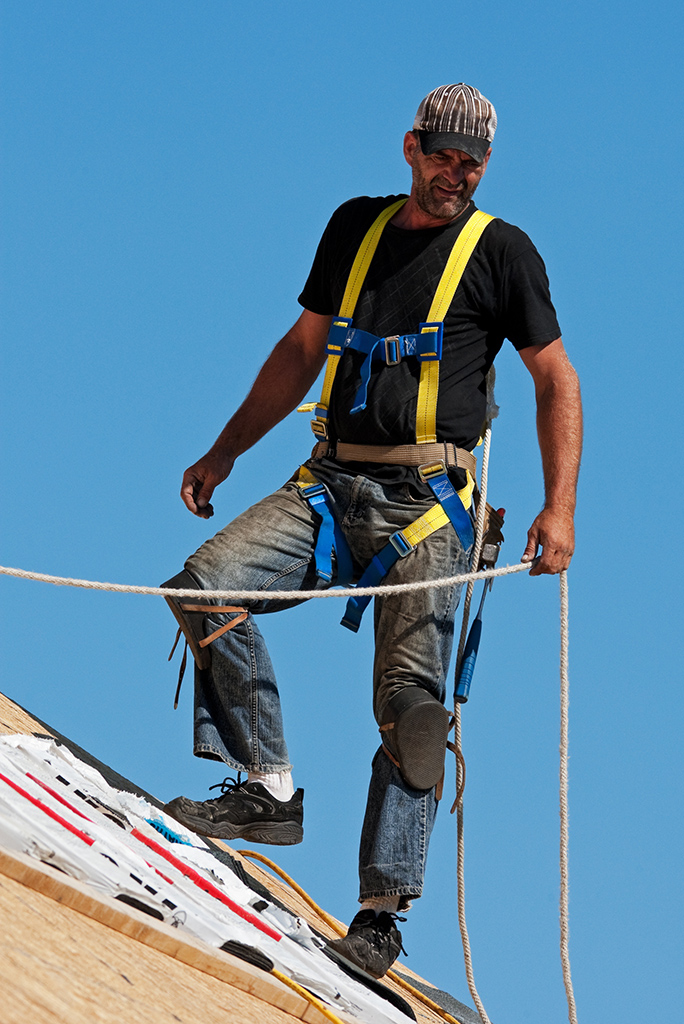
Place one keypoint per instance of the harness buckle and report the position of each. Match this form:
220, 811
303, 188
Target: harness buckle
402, 546
392, 350
320, 429
313, 490
429, 470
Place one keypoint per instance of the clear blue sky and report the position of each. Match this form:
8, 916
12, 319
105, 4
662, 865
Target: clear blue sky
167, 170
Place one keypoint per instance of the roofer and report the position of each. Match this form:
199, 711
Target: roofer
384, 495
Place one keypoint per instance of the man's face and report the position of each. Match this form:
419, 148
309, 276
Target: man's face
443, 182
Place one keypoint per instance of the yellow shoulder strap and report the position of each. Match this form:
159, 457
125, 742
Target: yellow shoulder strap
362, 260
428, 388
357, 276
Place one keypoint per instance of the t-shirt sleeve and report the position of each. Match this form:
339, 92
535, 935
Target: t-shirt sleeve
526, 311
317, 294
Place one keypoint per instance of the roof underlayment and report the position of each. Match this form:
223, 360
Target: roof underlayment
112, 911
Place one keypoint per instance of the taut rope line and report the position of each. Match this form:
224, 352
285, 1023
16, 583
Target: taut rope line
260, 595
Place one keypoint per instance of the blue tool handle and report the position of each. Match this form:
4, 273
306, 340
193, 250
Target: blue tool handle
465, 678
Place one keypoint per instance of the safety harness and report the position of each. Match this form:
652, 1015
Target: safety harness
433, 459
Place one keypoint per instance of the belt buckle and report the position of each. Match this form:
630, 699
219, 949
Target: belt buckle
392, 340
429, 470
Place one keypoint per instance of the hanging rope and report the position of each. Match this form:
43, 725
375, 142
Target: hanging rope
564, 719
460, 761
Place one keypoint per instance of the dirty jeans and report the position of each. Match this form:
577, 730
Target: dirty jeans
237, 707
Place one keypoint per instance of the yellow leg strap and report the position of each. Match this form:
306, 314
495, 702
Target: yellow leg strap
432, 521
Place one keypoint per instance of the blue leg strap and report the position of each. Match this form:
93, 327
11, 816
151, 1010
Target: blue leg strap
398, 547
330, 538
380, 565
447, 495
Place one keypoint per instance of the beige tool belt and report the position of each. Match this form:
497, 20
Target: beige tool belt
399, 454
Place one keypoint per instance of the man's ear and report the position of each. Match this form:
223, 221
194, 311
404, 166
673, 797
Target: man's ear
411, 144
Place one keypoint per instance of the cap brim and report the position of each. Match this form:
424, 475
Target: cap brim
433, 142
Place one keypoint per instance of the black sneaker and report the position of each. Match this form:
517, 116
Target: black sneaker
245, 810
372, 943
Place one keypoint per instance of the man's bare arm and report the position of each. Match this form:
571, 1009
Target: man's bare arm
282, 382
559, 428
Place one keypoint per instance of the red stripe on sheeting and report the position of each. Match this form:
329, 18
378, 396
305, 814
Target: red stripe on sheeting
208, 887
48, 789
51, 814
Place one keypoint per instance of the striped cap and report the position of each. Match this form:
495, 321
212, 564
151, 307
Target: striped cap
456, 117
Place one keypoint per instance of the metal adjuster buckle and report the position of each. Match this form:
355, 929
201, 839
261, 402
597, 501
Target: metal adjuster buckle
401, 545
312, 490
431, 469
392, 346
320, 429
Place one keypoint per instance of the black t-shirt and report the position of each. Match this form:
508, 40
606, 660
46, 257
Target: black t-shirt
504, 293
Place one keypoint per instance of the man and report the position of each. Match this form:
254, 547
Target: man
409, 344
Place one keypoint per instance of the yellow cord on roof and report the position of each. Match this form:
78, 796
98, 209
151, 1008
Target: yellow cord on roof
332, 923
309, 996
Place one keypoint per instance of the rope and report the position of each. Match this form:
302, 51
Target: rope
460, 760
332, 923
564, 718
260, 595
309, 996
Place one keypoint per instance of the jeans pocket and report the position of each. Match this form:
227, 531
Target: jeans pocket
414, 494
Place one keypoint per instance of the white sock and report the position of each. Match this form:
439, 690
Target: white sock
279, 784
390, 904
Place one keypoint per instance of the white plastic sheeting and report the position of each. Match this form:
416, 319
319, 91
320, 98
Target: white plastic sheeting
61, 811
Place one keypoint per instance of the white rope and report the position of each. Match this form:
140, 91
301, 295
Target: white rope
260, 595
564, 718
448, 581
460, 763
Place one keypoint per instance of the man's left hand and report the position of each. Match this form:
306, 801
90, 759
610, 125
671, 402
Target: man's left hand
554, 531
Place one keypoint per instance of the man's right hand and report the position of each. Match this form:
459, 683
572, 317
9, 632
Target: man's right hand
200, 480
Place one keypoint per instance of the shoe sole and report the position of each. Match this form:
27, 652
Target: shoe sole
356, 965
277, 833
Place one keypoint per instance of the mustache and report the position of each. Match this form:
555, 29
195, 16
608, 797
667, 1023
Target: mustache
460, 188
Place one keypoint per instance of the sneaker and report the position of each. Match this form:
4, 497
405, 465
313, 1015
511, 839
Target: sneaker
245, 810
372, 943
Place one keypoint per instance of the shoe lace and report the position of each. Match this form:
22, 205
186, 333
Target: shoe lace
381, 930
228, 784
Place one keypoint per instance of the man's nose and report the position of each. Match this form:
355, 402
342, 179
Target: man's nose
454, 171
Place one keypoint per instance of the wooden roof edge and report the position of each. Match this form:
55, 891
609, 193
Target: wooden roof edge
158, 935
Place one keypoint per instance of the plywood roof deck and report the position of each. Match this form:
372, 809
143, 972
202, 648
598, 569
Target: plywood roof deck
79, 957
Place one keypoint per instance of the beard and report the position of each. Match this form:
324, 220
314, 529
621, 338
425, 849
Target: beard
435, 205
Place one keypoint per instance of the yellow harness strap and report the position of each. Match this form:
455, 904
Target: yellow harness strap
421, 528
428, 388
357, 276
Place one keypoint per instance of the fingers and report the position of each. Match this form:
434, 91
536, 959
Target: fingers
554, 531
530, 551
196, 492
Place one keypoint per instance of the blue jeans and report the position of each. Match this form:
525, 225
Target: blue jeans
237, 707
